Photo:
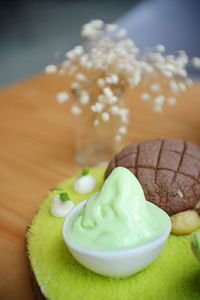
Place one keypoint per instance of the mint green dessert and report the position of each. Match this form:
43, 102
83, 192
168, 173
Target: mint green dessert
175, 275
117, 217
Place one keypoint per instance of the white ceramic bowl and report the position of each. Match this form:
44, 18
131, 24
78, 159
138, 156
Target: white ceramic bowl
119, 263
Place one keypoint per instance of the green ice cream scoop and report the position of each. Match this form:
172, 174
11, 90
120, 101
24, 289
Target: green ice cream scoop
117, 217
196, 243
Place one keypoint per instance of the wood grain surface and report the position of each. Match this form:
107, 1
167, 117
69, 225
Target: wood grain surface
37, 151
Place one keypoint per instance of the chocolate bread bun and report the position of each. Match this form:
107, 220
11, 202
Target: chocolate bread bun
168, 170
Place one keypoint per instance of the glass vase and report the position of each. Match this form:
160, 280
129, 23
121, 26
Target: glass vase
95, 144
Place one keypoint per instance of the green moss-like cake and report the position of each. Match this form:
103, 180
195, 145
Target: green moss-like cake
174, 275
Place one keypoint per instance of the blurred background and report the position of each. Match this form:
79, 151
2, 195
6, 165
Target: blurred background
34, 33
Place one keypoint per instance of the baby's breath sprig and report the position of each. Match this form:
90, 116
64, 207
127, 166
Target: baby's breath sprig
109, 63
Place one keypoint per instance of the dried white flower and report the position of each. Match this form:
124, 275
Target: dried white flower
196, 62
183, 57
66, 63
171, 100
114, 109
112, 100
157, 107
50, 69
71, 55
101, 82
78, 50
159, 99
182, 87
123, 113
145, 97
108, 92
92, 30
167, 73
113, 79
160, 48
98, 24
146, 68
84, 59
81, 77
156, 58
181, 72
105, 117
84, 98
88, 65
122, 130
155, 87
97, 107
75, 85
134, 81
111, 27
96, 122
173, 86
76, 110
129, 43
121, 33
62, 96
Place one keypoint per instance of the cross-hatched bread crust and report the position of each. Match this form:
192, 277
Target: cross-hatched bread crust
168, 170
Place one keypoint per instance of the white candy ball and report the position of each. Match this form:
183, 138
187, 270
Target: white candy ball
60, 208
84, 184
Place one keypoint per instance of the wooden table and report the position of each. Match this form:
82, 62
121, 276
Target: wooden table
36, 152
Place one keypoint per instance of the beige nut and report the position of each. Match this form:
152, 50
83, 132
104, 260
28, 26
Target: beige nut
185, 222
197, 207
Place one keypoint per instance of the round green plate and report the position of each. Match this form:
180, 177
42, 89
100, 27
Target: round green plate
174, 275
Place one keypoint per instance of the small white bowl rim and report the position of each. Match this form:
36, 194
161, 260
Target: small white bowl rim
107, 254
